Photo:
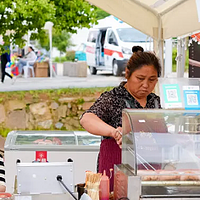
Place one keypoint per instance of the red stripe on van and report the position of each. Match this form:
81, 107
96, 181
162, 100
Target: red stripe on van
90, 49
110, 52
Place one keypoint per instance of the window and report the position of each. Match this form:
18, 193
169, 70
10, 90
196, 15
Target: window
112, 38
92, 36
131, 35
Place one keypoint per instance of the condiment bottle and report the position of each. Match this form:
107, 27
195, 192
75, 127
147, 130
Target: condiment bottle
104, 187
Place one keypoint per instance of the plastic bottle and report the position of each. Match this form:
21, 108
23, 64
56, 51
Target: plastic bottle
104, 187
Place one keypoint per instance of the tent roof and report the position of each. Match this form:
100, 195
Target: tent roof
176, 17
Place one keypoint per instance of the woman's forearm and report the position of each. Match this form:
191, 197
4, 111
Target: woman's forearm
194, 63
95, 125
2, 188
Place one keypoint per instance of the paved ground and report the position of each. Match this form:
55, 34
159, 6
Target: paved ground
102, 79
99, 80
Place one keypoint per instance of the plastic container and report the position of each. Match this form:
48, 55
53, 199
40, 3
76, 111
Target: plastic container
104, 188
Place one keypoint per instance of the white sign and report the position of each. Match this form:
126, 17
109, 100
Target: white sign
198, 8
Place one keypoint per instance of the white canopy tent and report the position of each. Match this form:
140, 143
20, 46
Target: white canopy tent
160, 19
175, 17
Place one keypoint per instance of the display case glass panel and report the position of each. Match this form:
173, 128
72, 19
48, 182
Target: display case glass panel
162, 145
85, 138
45, 138
50, 139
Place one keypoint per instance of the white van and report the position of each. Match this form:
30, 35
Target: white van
109, 48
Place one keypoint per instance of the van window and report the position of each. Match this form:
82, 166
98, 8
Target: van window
92, 37
131, 35
112, 38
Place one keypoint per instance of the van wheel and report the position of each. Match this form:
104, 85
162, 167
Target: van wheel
93, 70
116, 70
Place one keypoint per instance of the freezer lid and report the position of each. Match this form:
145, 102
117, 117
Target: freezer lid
51, 140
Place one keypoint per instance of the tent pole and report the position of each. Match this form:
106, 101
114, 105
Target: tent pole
180, 59
168, 57
160, 49
50, 63
159, 44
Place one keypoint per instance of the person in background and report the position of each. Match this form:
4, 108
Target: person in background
104, 117
2, 175
5, 58
137, 49
30, 56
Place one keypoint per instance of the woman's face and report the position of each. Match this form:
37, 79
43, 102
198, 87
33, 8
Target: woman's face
142, 81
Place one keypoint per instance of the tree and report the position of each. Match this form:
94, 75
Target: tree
101, 14
61, 41
73, 14
21, 16
17, 17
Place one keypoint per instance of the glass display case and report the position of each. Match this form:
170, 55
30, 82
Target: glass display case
160, 153
56, 146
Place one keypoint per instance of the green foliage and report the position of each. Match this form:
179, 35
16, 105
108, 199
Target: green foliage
100, 14
17, 17
70, 92
80, 101
70, 55
187, 61
21, 16
73, 14
43, 40
61, 40
60, 59
4, 131
174, 54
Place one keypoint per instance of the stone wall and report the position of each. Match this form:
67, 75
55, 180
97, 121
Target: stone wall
62, 114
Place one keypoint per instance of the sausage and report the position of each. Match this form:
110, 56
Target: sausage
168, 176
148, 175
189, 176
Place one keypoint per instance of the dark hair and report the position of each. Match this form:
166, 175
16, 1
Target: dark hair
137, 48
139, 59
31, 48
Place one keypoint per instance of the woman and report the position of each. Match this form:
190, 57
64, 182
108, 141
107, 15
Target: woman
29, 57
105, 116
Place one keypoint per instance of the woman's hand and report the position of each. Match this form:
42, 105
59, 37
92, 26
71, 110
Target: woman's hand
117, 135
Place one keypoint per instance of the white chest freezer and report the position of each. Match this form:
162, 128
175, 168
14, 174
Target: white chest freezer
51, 146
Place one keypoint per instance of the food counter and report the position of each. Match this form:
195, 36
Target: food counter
160, 155
51, 146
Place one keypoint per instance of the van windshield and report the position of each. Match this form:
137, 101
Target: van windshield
131, 35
